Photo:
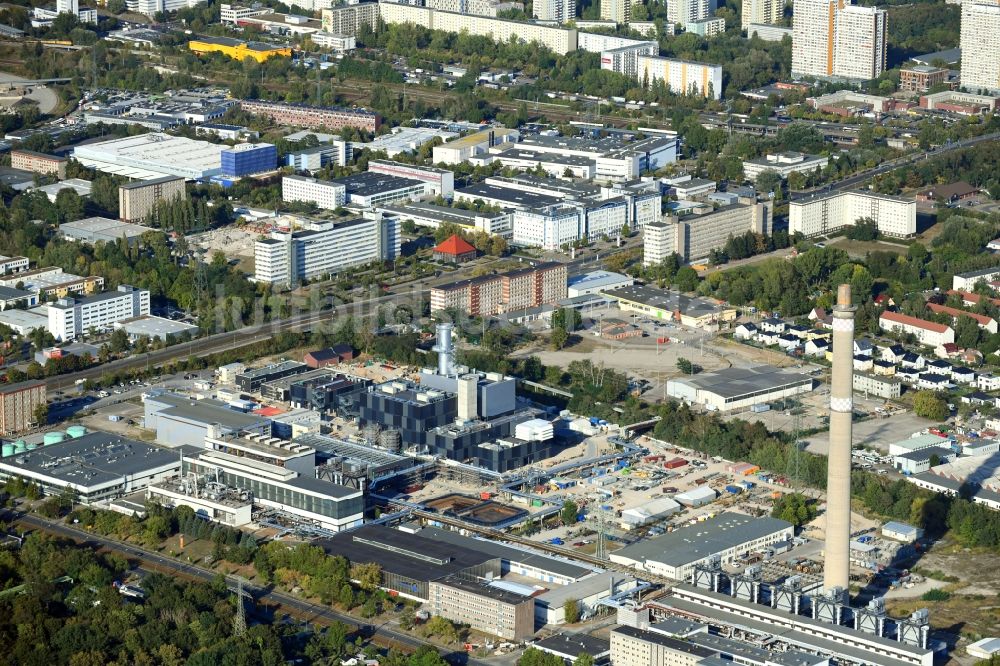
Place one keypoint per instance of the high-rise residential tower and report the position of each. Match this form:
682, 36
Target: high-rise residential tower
980, 44
555, 10
859, 48
688, 11
619, 11
836, 39
761, 11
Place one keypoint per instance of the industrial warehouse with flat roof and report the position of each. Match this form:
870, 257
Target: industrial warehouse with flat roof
97, 465
739, 388
725, 536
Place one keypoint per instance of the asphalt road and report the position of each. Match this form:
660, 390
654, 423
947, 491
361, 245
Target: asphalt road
852, 181
254, 333
216, 342
305, 610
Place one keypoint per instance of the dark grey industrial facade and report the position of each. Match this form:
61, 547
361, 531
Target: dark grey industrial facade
411, 412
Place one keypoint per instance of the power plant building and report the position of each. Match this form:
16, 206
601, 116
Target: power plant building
97, 466
725, 538
280, 476
458, 414
837, 564
181, 421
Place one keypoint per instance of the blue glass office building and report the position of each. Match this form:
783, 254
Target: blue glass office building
247, 158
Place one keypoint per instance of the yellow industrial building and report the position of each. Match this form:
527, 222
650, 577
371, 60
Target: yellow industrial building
237, 49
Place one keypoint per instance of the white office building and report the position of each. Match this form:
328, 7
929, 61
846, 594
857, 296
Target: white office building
761, 12
333, 41
323, 248
695, 236
323, 193
548, 228
71, 317
683, 77
625, 59
605, 218
784, 164
151, 7
461, 149
893, 216
657, 243
436, 181
980, 42
231, 14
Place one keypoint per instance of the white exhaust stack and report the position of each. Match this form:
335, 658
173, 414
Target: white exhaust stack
836, 573
445, 350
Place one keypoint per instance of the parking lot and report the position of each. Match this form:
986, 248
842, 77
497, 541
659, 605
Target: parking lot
875, 433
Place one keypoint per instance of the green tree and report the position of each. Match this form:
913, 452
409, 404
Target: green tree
864, 229
571, 611
967, 332
930, 405
119, 341
685, 366
558, 338
442, 628
767, 181
569, 512
584, 659
40, 415
368, 575
687, 278
535, 657
794, 508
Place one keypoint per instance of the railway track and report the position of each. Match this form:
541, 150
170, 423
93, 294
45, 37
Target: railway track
273, 600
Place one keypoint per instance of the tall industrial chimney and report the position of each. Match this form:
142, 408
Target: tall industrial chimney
445, 350
836, 573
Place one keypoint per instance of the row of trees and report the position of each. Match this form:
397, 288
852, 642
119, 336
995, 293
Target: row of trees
85, 621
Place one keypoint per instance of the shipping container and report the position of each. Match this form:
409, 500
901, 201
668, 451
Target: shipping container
757, 409
735, 490
675, 463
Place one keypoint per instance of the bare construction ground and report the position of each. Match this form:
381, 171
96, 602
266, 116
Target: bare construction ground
643, 358
876, 433
972, 611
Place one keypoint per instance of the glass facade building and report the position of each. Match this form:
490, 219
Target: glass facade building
246, 158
